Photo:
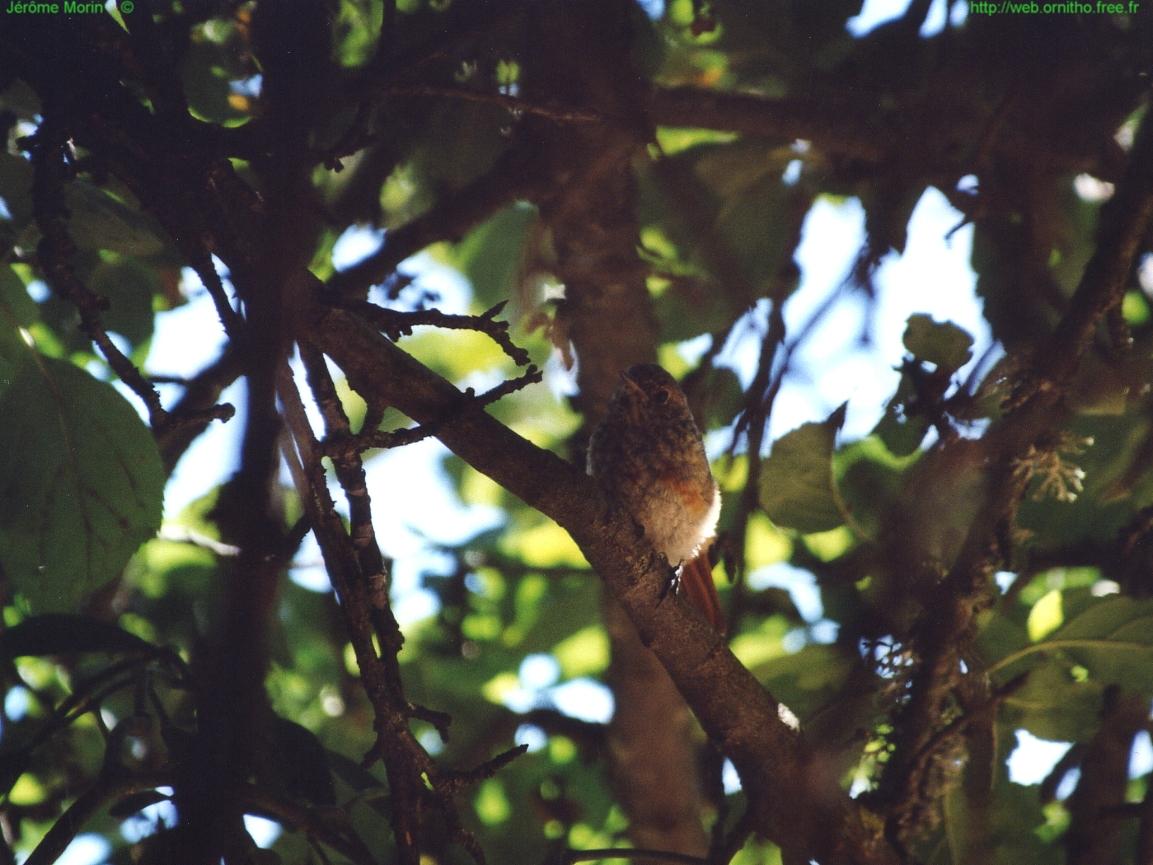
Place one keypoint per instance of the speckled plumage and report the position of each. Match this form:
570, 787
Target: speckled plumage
649, 458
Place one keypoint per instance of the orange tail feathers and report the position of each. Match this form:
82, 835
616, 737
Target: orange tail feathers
698, 587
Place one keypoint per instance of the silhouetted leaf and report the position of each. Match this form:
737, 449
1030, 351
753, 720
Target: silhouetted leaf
62, 634
16, 183
14, 762
943, 344
291, 759
901, 434
137, 802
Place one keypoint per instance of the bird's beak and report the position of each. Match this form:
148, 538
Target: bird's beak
630, 383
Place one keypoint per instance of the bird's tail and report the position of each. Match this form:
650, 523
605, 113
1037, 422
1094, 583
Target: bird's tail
696, 584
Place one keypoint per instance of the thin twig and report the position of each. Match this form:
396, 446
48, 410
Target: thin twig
396, 323
454, 782
515, 106
55, 254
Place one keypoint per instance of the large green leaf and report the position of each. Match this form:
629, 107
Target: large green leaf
1006, 834
81, 481
1102, 641
797, 488
1112, 639
1053, 705
806, 680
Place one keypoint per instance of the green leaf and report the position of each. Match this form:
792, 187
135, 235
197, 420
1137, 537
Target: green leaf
292, 760
796, 486
689, 307
1110, 639
490, 255
869, 481
17, 310
81, 479
458, 141
16, 181
100, 221
806, 680
63, 634
1113, 639
1055, 706
723, 397
210, 67
129, 286
564, 615
1002, 835
734, 187
901, 434
942, 344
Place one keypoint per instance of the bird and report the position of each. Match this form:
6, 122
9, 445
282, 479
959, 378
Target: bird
648, 457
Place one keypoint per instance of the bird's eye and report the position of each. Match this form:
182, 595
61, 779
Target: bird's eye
661, 395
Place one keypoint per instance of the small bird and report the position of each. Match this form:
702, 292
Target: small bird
648, 457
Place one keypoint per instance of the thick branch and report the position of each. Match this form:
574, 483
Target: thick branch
796, 805
856, 131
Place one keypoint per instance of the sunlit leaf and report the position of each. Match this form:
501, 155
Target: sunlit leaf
585, 653
1110, 638
1046, 616
492, 805
544, 544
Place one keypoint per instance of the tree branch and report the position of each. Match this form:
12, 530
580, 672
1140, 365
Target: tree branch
795, 803
1034, 412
